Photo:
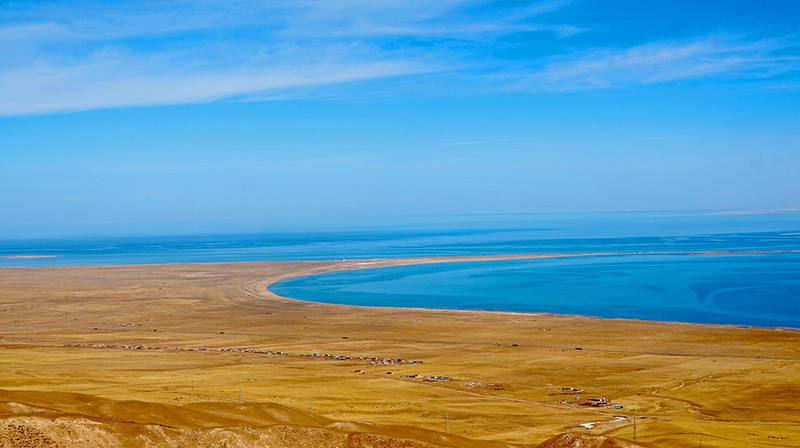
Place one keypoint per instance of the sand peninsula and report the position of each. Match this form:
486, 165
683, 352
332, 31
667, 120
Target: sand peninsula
206, 355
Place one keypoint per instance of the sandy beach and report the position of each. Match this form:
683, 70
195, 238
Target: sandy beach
206, 355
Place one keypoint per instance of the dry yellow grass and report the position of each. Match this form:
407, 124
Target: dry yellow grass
67, 378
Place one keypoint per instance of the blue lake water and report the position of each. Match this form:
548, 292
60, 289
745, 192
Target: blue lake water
741, 289
429, 236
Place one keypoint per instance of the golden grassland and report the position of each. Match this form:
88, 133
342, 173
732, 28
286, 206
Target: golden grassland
109, 356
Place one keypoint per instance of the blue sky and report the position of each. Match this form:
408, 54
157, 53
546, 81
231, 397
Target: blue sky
143, 117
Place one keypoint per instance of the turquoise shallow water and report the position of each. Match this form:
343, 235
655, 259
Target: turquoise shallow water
742, 289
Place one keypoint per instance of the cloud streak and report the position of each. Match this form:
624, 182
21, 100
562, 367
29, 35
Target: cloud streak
664, 61
88, 54
71, 56
107, 83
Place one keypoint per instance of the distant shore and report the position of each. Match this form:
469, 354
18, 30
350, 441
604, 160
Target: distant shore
425, 259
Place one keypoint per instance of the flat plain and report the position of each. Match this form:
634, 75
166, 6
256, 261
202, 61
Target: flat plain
205, 355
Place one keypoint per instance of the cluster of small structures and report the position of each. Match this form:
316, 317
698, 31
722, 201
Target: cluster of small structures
429, 378
439, 378
371, 359
493, 386
593, 402
571, 389
375, 361
600, 403
178, 349
470, 384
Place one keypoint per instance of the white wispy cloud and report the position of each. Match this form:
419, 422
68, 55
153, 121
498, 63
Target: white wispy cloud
117, 83
128, 56
89, 54
663, 61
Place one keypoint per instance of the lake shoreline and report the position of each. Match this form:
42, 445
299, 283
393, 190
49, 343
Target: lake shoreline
295, 287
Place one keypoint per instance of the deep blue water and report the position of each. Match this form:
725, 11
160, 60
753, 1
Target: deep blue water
741, 289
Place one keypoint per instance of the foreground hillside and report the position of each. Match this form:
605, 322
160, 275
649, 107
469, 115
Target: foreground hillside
55, 423
204, 355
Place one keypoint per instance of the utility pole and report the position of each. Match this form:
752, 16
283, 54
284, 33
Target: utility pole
311, 404
634, 428
446, 422
240, 394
